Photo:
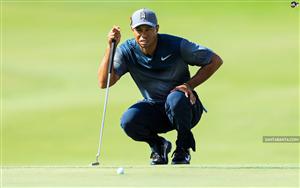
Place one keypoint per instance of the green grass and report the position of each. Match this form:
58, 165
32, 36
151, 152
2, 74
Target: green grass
52, 107
145, 176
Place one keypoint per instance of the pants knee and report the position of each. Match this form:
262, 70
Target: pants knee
131, 126
127, 123
177, 102
179, 111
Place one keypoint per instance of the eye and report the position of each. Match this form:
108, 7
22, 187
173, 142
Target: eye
150, 29
138, 30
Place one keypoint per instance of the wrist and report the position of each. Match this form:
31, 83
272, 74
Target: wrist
188, 86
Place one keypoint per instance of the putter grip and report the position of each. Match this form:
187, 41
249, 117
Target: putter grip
111, 55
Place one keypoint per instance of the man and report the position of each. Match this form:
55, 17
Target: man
158, 63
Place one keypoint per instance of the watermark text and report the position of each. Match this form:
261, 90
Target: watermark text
281, 139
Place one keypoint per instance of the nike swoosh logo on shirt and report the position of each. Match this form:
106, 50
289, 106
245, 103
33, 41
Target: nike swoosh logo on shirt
164, 58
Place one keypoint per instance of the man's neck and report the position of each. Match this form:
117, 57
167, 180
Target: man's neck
151, 49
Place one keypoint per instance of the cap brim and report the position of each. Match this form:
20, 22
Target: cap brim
143, 23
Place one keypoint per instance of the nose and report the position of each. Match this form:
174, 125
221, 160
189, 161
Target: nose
143, 35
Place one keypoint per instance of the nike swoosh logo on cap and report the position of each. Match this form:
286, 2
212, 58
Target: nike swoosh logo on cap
164, 58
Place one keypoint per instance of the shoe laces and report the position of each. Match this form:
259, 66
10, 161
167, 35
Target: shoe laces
154, 155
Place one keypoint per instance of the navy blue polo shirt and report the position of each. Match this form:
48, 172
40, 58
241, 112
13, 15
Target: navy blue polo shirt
156, 76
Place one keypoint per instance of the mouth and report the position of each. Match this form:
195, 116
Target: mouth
143, 41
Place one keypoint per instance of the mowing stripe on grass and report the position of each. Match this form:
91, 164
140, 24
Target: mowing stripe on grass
244, 166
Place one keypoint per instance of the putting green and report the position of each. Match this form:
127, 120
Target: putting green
52, 106
148, 176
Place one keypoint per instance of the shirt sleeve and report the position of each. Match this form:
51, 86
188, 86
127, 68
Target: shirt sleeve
120, 66
195, 54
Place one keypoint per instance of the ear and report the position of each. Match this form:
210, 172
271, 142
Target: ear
157, 28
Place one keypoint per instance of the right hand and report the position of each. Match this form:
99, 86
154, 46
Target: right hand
187, 90
114, 33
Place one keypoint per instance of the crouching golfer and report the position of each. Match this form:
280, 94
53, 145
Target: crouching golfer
158, 64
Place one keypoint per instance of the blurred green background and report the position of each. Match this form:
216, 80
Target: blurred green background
52, 106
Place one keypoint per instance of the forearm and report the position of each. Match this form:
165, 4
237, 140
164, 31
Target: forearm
113, 35
205, 72
103, 71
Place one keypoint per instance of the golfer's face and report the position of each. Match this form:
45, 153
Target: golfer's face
145, 35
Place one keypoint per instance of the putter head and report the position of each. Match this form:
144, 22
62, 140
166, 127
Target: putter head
95, 163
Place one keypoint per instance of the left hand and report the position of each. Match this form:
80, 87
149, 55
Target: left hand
187, 91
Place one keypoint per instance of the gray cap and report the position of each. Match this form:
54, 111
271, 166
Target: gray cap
143, 17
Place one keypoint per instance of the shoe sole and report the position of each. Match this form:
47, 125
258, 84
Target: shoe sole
183, 162
180, 163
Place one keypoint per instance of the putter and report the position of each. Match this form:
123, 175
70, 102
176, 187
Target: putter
110, 65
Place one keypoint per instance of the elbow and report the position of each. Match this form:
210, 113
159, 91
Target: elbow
219, 61
102, 85
103, 82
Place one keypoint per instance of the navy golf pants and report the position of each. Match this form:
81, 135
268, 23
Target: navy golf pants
144, 120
